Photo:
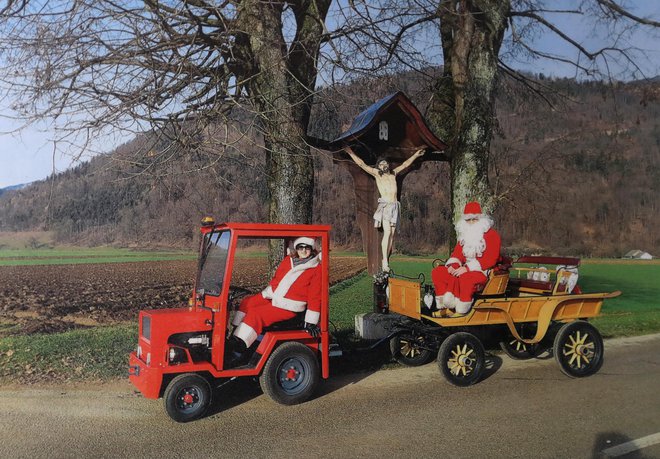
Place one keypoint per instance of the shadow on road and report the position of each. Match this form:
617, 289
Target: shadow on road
493, 363
353, 367
232, 394
349, 369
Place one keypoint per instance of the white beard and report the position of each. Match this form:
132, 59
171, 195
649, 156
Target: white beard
471, 236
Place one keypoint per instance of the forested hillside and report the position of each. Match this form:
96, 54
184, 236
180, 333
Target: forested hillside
576, 174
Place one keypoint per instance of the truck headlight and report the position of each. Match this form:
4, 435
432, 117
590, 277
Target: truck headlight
176, 355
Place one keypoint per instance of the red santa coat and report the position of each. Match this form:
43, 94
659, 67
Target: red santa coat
292, 289
295, 288
482, 264
457, 292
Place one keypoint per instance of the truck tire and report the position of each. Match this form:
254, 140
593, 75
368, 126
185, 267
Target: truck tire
578, 349
462, 359
291, 374
187, 397
406, 350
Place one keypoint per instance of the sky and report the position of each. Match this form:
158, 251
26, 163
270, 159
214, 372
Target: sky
26, 155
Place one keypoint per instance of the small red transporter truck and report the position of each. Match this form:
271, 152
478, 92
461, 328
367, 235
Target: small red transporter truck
181, 352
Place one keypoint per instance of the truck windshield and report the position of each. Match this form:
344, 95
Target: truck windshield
213, 262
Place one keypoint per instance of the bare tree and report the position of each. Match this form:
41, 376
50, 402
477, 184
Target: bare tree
479, 39
180, 68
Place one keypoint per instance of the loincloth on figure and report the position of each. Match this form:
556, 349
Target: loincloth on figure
387, 212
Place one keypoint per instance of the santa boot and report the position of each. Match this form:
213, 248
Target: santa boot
449, 300
462, 308
235, 352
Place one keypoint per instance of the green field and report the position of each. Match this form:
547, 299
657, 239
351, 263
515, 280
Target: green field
635, 312
101, 352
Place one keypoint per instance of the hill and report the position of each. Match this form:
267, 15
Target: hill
13, 187
578, 176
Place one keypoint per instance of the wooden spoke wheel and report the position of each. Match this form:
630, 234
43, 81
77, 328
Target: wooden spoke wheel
462, 359
410, 350
518, 350
578, 349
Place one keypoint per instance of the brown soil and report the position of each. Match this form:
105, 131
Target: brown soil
54, 298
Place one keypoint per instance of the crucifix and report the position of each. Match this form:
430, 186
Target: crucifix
392, 135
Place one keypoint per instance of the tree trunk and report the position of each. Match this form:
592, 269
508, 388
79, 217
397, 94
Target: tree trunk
280, 88
463, 107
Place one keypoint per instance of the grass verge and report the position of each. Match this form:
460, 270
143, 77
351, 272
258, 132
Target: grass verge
89, 354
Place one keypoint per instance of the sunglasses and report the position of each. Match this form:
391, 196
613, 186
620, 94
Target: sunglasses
303, 247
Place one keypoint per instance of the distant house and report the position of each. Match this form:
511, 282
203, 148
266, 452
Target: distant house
638, 255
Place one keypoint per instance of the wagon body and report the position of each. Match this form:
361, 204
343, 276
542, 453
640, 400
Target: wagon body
520, 311
405, 299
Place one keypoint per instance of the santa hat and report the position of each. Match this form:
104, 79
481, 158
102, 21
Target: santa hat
472, 210
304, 240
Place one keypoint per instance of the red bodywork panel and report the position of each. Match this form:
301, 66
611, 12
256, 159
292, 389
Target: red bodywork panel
211, 315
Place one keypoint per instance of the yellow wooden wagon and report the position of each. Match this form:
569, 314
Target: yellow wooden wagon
521, 304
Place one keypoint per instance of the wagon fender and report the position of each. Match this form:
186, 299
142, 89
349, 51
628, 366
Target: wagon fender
546, 313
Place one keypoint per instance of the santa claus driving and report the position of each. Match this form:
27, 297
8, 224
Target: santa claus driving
295, 287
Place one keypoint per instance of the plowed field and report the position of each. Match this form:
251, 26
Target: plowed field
38, 299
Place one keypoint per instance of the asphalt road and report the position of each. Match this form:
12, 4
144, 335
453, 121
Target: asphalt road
523, 409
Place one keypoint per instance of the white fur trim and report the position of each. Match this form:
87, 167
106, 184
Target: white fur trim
246, 333
312, 317
267, 293
287, 281
463, 307
439, 302
304, 240
452, 260
238, 318
289, 305
474, 265
449, 299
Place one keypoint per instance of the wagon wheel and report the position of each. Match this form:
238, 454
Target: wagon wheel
578, 349
408, 350
462, 359
291, 374
187, 397
519, 350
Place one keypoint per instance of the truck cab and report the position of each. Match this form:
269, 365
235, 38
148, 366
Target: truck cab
180, 354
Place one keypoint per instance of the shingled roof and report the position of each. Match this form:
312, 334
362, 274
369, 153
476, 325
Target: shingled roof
398, 101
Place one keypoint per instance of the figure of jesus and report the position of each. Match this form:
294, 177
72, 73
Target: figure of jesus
387, 213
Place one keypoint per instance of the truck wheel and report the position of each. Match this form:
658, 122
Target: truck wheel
578, 349
187, 397
462, 359
407, 351
291, 374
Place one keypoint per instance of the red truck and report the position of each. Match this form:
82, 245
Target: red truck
181, 352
